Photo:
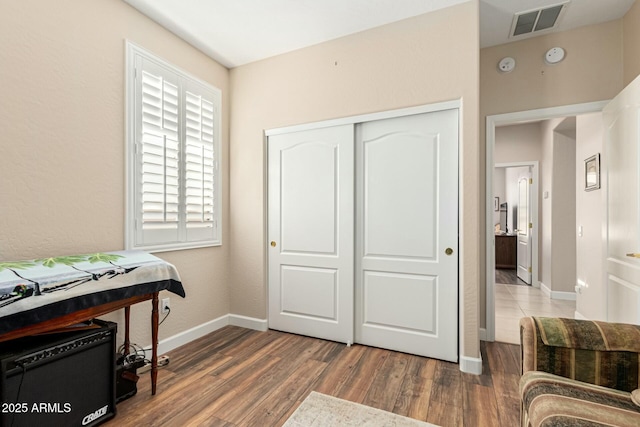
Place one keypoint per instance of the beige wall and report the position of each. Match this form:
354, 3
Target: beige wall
518, 143
590, 215
412, 62
551, 203
62, 161
563, 209
631, 23
591, 71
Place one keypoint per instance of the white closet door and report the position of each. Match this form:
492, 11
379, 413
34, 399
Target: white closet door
407, 234
622, 190
311, 232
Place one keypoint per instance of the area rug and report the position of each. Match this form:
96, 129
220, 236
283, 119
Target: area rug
320, 410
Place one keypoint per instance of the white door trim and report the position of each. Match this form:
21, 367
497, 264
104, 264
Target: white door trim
491, 123
352, 120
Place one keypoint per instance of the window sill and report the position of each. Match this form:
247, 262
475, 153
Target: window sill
175, 246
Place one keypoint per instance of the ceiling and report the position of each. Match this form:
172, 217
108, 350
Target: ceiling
236, 32
496, 16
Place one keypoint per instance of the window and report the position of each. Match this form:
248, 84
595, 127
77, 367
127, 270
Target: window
173, 139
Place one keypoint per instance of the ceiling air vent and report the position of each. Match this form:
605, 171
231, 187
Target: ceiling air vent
532, 21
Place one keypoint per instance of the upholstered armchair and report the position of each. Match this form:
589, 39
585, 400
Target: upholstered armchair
579, 372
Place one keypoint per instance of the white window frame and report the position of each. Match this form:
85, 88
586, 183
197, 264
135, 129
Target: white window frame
136, 237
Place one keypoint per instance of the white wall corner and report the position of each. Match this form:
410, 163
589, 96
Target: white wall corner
192, 334
545, 290
248, 322
471, 365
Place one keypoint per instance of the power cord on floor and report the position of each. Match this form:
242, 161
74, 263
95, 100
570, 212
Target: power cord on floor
134, 355
135, 352
137, 355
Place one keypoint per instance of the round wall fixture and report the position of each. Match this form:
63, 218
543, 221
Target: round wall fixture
554, 55
506, 64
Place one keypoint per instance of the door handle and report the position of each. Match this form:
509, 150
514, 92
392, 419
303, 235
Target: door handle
273, 244
634, 255
448, 251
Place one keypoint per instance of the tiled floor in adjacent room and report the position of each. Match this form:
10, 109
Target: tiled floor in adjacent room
513, 301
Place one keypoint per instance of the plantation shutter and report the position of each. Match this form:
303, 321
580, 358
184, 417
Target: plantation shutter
200, 165
158, 155
174, 192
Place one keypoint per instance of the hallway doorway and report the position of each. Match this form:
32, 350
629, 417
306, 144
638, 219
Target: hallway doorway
495, 293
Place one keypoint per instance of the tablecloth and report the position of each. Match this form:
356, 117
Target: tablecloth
32, 291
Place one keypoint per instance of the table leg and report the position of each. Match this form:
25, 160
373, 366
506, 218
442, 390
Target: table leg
127, 318
154, 344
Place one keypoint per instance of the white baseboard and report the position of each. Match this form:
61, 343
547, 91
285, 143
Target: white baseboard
545, 290
471, 365
569, 296
248, 322
482, 334
199, 331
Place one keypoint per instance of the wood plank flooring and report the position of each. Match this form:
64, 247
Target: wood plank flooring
508, 277
239, 377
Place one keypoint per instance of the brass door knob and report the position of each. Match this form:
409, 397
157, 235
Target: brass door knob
448, 251
273, 244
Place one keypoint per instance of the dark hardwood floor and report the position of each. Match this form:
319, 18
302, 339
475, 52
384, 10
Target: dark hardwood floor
508, 277
241, 377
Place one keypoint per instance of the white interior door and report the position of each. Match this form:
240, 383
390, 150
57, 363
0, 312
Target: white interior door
407, 234
310, 208
524, 230
622, 137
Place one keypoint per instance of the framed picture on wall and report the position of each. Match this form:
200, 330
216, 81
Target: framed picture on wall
496, 203
592, 173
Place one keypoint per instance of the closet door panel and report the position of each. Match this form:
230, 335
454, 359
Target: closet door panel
310, 216
309, 198
395, 224
398, 300
407, 235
